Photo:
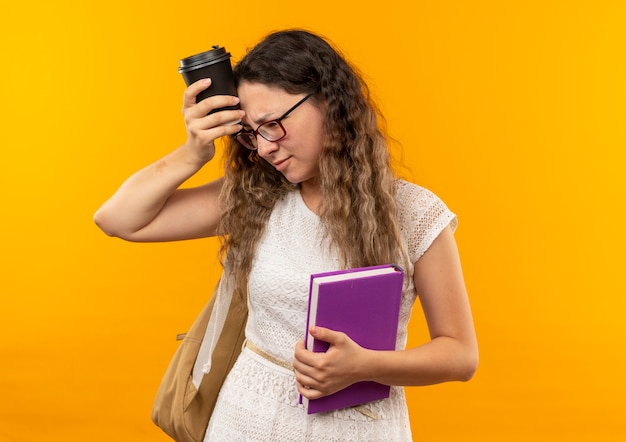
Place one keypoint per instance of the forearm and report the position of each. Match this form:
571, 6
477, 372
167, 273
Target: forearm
142, 196
441, 360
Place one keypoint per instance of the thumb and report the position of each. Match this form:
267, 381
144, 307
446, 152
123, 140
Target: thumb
325, 334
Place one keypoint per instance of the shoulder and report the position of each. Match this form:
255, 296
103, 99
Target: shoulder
408, 193
422, 215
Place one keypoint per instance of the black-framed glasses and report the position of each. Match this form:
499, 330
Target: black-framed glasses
272, 130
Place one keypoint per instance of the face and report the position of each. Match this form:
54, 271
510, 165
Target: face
296, 155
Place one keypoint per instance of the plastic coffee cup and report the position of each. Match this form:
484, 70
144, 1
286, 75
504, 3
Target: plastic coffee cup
213, 64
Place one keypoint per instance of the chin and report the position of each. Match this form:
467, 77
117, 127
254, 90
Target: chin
293, 179
295, 182
299, 178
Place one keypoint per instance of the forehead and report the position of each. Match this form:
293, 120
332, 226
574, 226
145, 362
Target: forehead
261, 102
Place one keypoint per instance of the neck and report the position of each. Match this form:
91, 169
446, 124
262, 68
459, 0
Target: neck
311, 194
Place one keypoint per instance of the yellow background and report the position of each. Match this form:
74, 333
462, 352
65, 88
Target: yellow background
511, 111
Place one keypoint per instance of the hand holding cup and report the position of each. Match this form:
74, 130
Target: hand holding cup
211, 89
204, 124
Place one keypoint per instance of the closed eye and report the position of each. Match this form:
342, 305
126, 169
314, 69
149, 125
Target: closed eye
271, 124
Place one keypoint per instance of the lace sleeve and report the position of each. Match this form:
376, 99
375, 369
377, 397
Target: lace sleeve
422, 217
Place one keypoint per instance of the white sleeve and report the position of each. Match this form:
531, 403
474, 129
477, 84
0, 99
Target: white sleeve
422, 216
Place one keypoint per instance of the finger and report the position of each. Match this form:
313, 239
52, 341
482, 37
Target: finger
206, 106
222, 118
300, 345
207, 136
305, 384
327, 335
217, 124
304, 359
189, 97
213, 133
307, 391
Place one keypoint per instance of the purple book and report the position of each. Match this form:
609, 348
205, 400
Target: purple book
364, 303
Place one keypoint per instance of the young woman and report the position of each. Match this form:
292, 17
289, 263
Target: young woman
307, 188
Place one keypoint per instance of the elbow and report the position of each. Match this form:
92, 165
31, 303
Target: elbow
100, 220
469, 365
105, 224
113, 226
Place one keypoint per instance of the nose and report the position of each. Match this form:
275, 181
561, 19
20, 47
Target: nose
264, 147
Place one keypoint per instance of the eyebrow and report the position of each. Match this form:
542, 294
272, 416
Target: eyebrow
263, 118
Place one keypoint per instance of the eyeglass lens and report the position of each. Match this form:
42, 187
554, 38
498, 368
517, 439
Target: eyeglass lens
271, 130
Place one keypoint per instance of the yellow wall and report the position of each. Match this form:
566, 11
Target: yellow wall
513, 112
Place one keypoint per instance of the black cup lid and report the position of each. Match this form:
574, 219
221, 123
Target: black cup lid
208, 57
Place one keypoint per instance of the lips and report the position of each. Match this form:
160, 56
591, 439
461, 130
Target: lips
280, 164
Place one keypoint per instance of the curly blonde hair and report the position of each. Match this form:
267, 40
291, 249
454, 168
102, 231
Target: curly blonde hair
358, 207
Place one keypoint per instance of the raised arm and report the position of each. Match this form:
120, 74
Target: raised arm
150, 206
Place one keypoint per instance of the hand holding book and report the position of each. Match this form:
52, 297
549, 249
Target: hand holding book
322, 374
363, 304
